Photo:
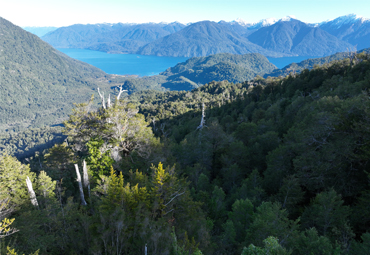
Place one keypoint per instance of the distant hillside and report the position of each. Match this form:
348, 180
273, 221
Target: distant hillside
38, 83
198, 71
218, 67
202, 39
296, 37
39, 31
350, 28
113, 38
310, 63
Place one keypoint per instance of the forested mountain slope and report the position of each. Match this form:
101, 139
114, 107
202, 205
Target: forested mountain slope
39, 84
202, 39
112, 38
276, 166
350, 28
296, 37
312, 62
293, 147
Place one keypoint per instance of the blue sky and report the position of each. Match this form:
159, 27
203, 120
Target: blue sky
67, 12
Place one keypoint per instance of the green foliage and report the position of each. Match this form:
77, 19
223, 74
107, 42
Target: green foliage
115, 133
27, 143
13, 177
99, 163
309, 242
187, 248
329, 216
271, 246
10, 251
271, 220
363, 247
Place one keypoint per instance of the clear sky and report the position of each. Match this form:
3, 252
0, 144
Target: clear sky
67, 12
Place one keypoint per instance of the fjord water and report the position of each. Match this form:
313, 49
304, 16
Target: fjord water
123, 64
132, 64
283, 62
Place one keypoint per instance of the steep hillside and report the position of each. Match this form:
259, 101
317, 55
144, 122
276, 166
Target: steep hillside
38, 83
202, 39
296, 37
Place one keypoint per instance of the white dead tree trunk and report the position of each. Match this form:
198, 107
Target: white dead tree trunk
32, 193
120, 91
83, 202
109, 104
86, 177
203, 120
102, 98
108, 101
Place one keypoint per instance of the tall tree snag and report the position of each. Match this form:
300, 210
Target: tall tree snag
32, 193
203, 120
83, 202
86, 181
102, 98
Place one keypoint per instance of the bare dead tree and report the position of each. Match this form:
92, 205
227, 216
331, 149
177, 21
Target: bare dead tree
102, 98
203, 120
108, 101
109, 104
86, 181
32, 193
120, 91
83, 202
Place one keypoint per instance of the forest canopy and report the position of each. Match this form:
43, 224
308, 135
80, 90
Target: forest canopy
279, 166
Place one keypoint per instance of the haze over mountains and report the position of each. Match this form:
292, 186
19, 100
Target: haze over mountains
270, 37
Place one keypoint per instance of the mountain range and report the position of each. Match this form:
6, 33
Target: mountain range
351, 28
111, 38
270, 37
202, 39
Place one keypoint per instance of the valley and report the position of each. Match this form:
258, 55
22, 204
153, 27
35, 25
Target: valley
215, 150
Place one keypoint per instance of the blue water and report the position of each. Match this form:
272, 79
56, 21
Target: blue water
283, 62
124, 63
144, 65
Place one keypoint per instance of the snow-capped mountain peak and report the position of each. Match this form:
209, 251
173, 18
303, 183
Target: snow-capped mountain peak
263, 23
288, 18
347, 19
241, 22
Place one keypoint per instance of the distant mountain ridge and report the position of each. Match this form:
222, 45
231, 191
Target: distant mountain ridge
350, 28
270, 37
112, 38
202, 39
297, 38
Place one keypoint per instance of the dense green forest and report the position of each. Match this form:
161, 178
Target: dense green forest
277, 166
